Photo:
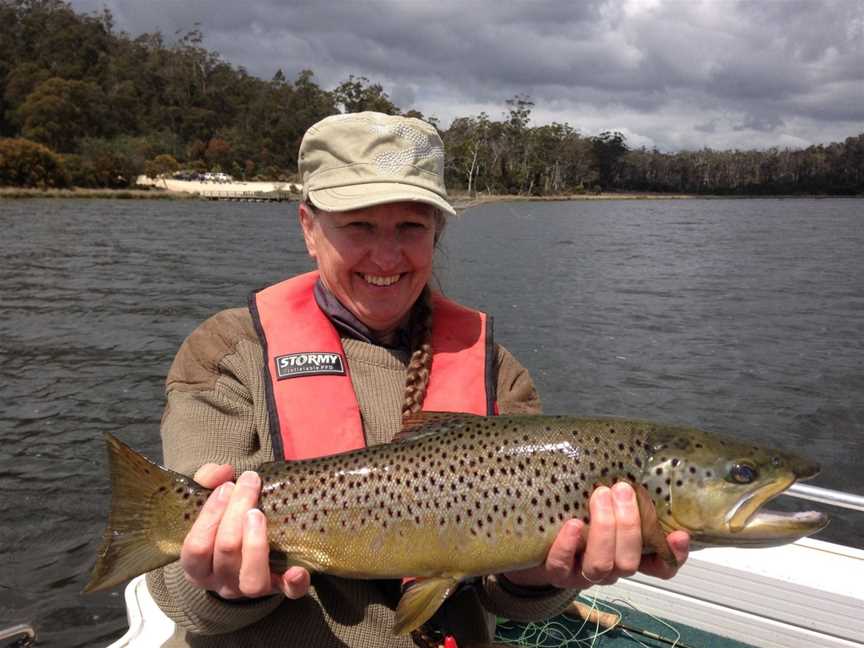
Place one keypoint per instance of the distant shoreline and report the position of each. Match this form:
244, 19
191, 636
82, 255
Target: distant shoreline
459, 200
87, 193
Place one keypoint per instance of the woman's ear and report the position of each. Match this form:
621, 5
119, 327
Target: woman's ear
307, 222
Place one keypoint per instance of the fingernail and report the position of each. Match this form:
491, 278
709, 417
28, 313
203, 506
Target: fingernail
296, 575
225, 491
249, 478
602, 495
623, 493
254, 518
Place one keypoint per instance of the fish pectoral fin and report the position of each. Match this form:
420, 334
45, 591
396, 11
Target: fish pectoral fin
421, 601
653, 536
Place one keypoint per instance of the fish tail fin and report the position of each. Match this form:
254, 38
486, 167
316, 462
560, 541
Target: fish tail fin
150, 516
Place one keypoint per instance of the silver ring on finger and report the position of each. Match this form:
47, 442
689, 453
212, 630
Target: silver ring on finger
593, 582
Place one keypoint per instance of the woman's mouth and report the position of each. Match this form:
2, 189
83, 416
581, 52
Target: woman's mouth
381, 280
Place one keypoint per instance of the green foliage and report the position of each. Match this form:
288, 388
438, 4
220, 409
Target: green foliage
161, 165
28, 164
833, 169
115, 163
59, 112
358, 94
608, 148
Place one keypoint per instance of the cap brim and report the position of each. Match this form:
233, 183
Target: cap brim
375, 193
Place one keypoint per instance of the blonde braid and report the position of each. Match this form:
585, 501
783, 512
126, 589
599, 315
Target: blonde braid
417, 377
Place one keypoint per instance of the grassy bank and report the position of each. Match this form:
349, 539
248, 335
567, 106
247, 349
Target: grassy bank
116, 194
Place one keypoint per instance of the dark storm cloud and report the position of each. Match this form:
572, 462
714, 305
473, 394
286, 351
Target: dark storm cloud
671, 73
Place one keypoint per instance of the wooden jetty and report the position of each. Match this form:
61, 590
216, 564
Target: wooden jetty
249, 196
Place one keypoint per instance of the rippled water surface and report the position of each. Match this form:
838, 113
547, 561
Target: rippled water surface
741, 316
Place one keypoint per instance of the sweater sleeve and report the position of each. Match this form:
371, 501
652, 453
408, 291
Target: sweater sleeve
517, 395
516, 391
211, 416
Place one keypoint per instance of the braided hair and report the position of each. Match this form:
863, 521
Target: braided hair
420, 364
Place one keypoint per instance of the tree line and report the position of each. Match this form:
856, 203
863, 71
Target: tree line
86, 105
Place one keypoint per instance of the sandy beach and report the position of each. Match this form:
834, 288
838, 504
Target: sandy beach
215, 188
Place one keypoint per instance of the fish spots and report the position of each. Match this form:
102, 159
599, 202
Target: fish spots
485, 483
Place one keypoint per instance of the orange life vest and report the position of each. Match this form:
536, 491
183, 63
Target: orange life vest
310, 400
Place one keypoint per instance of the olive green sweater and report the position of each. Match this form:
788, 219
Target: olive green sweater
216, 412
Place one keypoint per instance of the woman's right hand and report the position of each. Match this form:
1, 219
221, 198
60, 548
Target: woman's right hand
226, 551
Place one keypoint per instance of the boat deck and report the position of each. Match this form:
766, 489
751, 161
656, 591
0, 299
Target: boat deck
635, 629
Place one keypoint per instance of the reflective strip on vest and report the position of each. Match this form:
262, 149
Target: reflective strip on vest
317, 415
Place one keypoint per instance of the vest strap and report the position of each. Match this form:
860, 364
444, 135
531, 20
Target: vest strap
311, 403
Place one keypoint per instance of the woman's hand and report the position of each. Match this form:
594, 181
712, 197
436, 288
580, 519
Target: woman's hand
612, 549
226, 551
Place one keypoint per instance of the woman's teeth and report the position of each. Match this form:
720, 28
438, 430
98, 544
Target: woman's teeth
376, 280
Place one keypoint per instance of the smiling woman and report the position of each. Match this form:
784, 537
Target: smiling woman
332, 361
376, 261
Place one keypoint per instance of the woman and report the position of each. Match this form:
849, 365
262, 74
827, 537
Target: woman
332, 361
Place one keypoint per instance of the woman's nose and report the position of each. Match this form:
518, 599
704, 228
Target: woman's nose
386, 251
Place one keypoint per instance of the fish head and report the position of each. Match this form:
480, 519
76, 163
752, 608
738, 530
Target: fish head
715, 487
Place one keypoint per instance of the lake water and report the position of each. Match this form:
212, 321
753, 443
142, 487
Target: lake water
740, 316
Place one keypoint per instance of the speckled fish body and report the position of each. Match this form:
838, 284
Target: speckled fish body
463, 495
474, 495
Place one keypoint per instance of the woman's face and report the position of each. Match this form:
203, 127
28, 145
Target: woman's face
375, 260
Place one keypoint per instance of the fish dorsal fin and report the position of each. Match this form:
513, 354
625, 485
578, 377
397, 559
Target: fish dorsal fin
421, 601
421, 424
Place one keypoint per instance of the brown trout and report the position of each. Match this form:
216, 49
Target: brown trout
458, 495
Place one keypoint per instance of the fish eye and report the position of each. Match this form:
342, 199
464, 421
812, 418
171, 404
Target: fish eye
742, 473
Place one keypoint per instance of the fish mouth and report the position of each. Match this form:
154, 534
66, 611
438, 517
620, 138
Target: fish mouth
769, 528
753, 526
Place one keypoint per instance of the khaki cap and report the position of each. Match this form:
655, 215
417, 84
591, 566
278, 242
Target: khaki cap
363, 159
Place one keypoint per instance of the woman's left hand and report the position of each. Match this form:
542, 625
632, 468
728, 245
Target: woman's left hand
612, 549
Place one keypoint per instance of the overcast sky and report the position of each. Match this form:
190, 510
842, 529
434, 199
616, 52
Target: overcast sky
675, 74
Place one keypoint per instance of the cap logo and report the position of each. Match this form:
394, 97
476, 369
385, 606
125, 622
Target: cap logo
424, 148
